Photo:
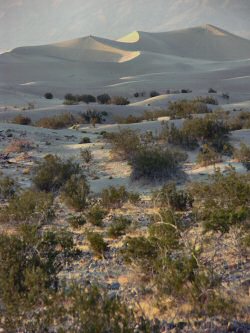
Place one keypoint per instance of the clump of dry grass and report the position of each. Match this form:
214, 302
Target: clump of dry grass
19, 146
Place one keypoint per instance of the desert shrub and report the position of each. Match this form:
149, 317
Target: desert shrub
139, 250
169, 196
223, 202
154, 93
84, 140
97, 243
57, 122
208, 156
70, 97
76, 221
185, 108
119, 100
92, 117
89, 309
48, 95
174, 269
118, 226
210, 129
28, 206
124, 143
114, 197
178, 137
103, 99
243, 155
87, 99
207, 100
53, 172
86, 155
155, 164
225, 96
30, 262
242, 120
70, 102
21, 120
19, 146
134, 197
8, 187
96, 214
128, 120
75, 192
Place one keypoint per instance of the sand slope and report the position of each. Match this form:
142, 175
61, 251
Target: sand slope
193, 58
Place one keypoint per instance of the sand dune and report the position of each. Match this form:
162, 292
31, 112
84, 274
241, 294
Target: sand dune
193, 58
206, 42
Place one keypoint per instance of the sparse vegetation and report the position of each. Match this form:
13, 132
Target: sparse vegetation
48, 95
96, 214
114, 197
155, 164
53, 172
8, 187
119, 100
103, 99
76, 222
243, 155
75, 192
97, 243
118, 227
21, 120
28, 206
208, 156
57, 122
84, 140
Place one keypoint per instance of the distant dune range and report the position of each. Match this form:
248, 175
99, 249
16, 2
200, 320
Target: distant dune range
194, 58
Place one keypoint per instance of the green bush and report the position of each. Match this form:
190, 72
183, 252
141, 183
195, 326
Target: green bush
155, 164
223, 202
53, 172
30, 262
21, 120
75, 192
28, 206
118, 226
243, 155
208, 156
208, 130
185, 108
114, 197
8, 187
76, 221
97, 243
103, 99
87, 99
48, 95
84, 140
169, 196
124, 143
95, 215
